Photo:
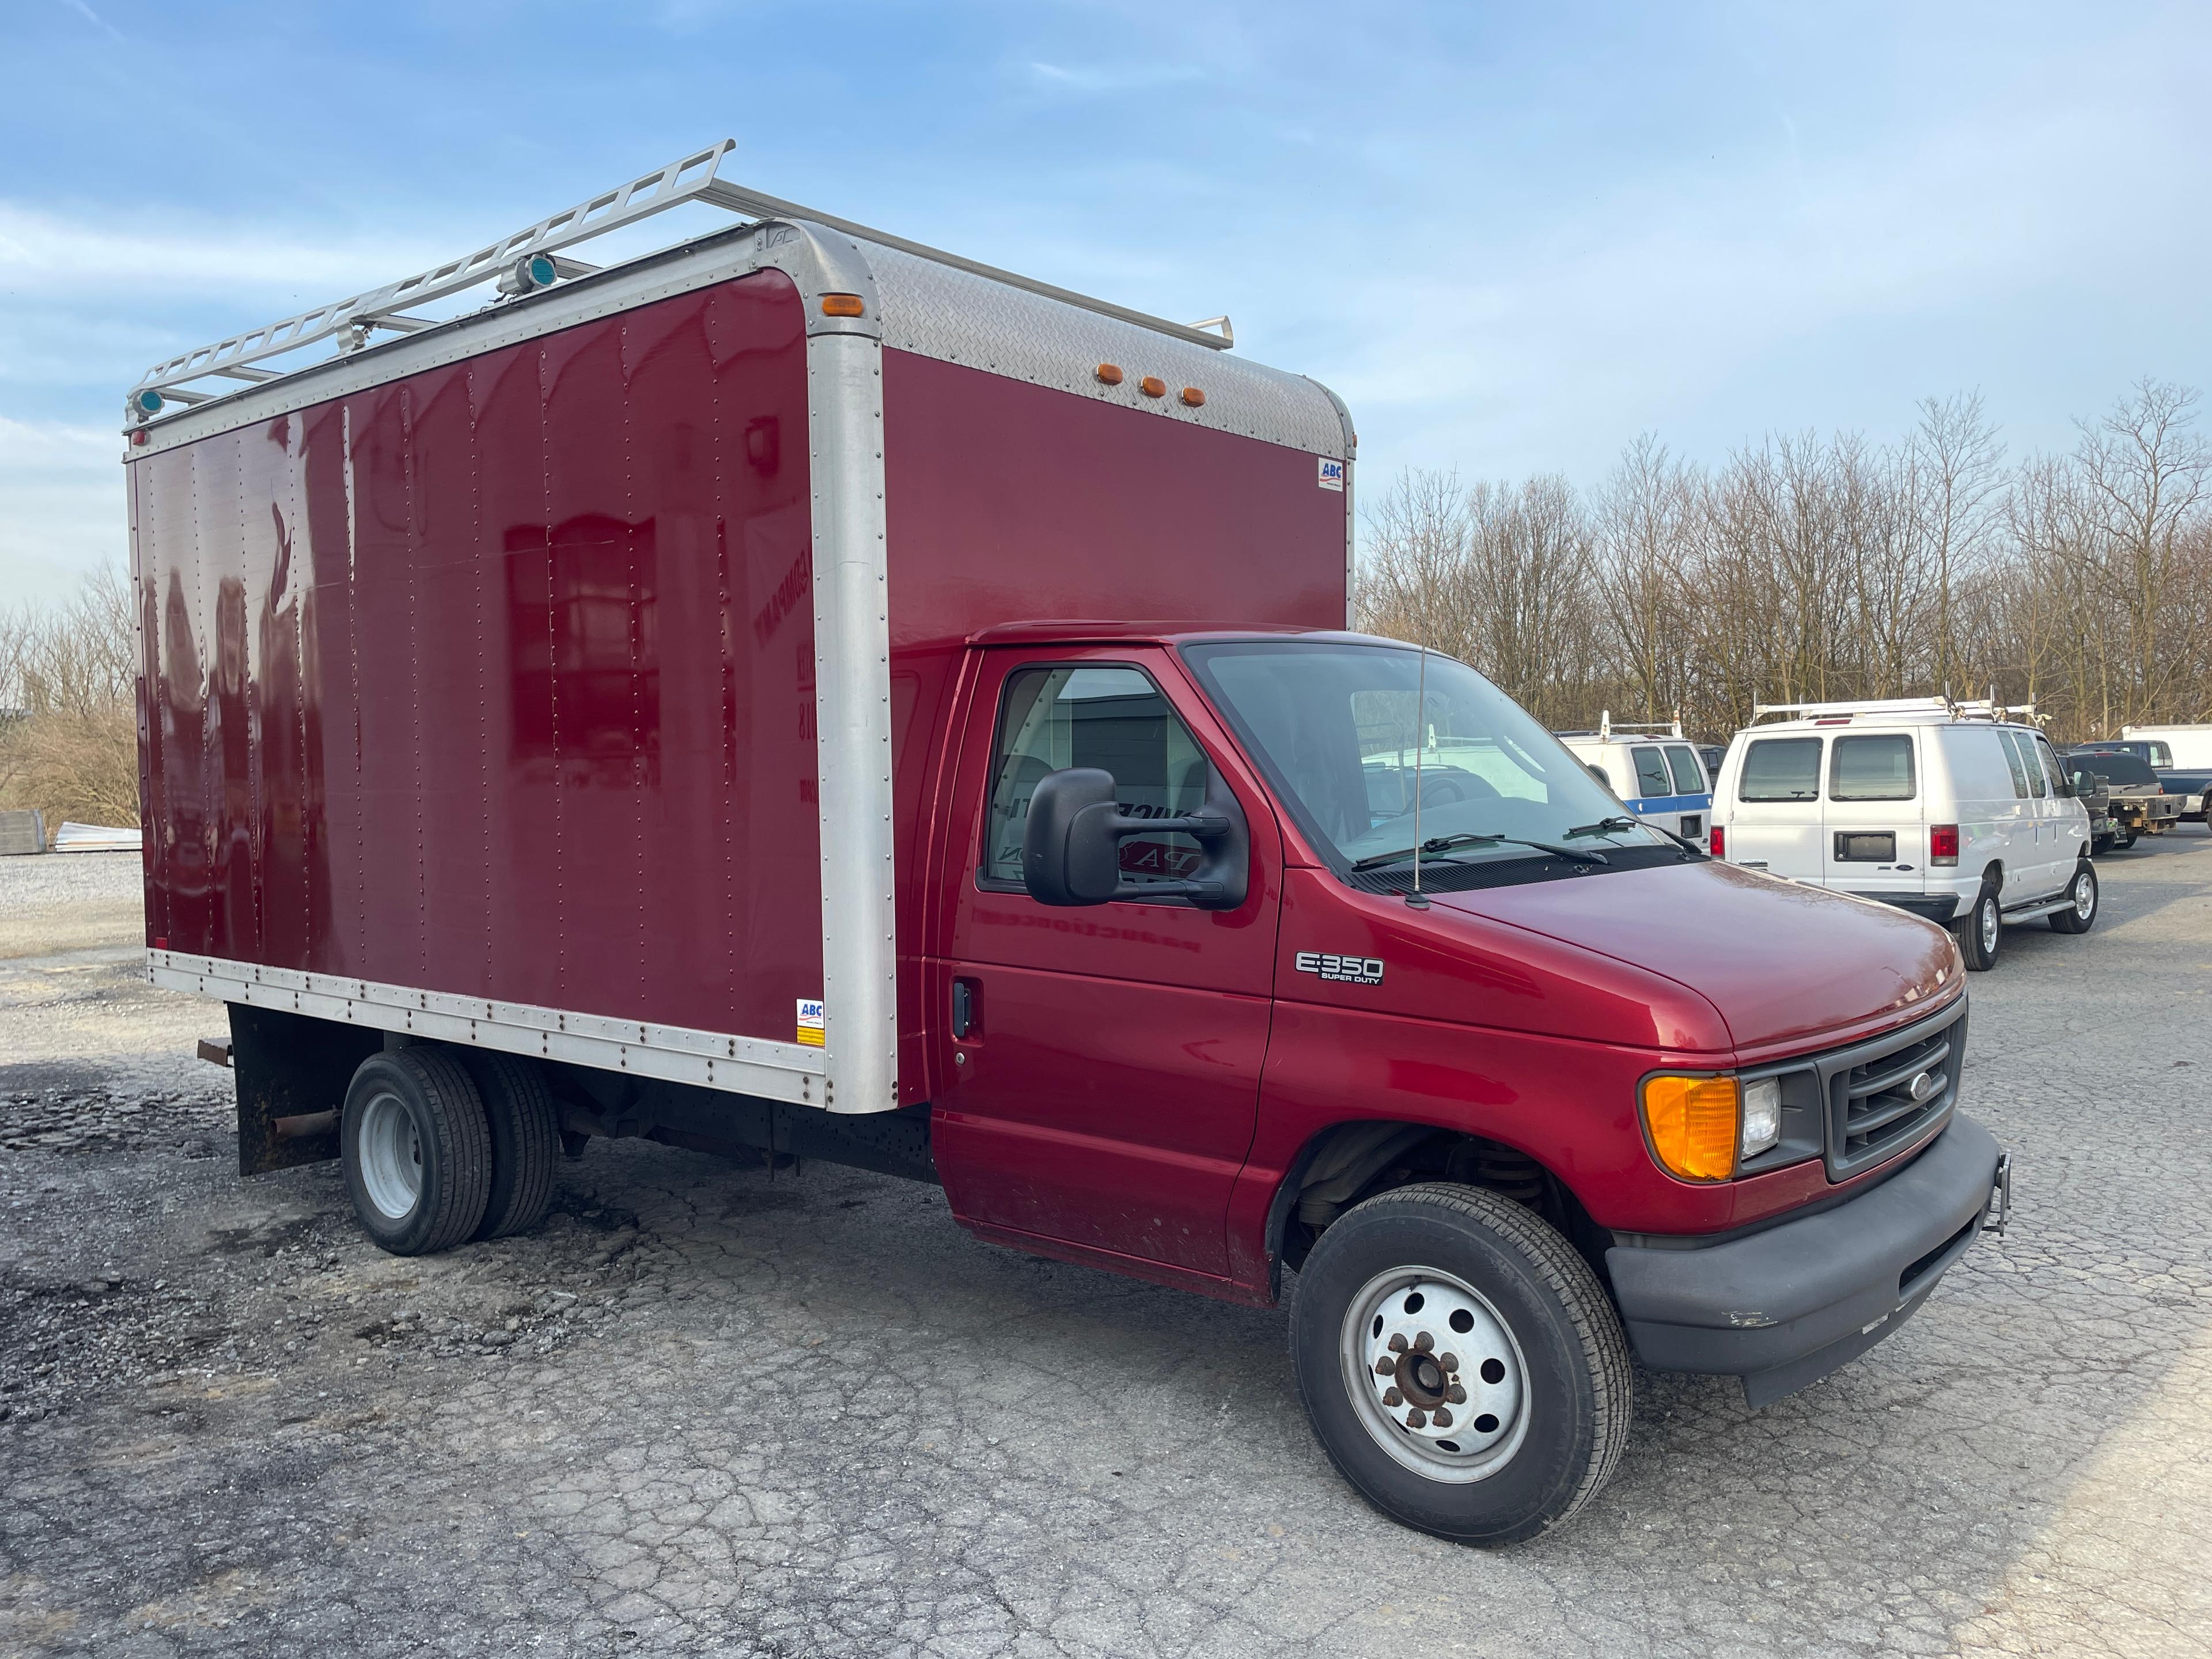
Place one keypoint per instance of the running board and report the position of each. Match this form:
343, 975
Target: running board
2030, 912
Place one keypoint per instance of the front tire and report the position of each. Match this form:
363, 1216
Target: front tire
1980, 931
2125, 841
2080, 912
1508, 1394
417, 1151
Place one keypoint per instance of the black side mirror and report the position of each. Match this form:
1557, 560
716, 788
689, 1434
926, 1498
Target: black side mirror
1072, 843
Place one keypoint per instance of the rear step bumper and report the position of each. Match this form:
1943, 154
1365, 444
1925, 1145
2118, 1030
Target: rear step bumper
1785, 1307
1940, 907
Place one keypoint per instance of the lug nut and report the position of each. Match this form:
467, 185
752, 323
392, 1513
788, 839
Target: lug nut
1457, 1394
1448, 1361
1391, 1397
1417, 1418
1424, 1342
1397, 1343
1444, 1417
1384, 1368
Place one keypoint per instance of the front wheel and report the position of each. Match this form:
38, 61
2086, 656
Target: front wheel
2081, 902
2125, 841
1980, 931
1460, 1363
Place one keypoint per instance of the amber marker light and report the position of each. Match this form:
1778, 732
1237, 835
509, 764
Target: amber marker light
1153, 386
843, 304
1108, 374
1693, 1121
1192, 395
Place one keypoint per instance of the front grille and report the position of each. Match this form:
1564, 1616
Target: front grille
1873, 1109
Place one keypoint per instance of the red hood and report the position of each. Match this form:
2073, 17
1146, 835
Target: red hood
1779, 961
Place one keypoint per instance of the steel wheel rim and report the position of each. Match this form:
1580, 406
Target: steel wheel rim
2085, 895
1989, 923
391, 1156
1443, 1441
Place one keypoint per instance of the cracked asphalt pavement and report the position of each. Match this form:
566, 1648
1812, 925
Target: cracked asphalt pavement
702, 1411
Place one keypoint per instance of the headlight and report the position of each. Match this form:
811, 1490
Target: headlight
1693, 1122
1762, 1115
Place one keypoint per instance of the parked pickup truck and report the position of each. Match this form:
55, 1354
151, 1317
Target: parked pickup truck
802, 693
2128, 795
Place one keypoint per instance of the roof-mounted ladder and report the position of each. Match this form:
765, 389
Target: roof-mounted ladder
529, 260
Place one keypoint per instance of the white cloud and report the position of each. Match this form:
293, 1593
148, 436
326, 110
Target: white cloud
48, 255
64, 516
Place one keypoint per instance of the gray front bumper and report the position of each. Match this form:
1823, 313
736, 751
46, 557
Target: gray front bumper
1785, 1307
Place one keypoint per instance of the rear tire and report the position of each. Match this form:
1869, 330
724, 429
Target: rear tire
526, 1140
417, 1151
1981, 932
2080, 913
2125, 841
1511, 1398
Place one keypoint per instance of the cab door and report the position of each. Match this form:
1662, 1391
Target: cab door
1105, 1059
2068, 818
1774, 821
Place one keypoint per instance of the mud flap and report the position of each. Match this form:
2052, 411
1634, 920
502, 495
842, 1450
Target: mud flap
287, 1065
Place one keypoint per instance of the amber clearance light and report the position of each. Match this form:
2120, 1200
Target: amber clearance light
843, 304
1692, 1122
1108, 374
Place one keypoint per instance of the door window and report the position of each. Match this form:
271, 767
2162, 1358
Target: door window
1689, 776
2058, 773
1651, 773
2028, 763
1871, 768
1781, 769
2018, 768
1107, 716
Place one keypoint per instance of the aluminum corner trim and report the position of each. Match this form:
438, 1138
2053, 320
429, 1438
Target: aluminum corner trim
852, 720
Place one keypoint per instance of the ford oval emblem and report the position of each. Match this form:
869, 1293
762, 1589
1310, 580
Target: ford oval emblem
1923, 1085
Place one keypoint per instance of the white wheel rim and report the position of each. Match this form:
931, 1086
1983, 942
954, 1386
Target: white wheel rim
391, 1156
1435, 1375
2085, 895
1989, 924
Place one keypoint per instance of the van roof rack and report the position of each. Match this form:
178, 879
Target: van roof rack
1903, 709
1606, 726
529, 260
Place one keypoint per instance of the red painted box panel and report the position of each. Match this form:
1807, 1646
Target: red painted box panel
498, 679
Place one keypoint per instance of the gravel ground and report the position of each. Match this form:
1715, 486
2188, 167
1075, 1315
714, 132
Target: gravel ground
704, 1413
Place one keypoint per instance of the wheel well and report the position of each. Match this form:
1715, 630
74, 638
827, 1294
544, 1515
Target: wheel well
1993, 874
1343, 1165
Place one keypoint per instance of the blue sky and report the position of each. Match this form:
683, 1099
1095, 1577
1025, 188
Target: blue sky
1513, 238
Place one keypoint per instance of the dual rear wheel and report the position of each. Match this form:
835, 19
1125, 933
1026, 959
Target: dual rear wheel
441, 1145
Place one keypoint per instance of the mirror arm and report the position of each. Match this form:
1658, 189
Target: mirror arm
1205, 826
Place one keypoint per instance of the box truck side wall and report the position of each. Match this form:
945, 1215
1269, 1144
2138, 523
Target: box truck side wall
498, 680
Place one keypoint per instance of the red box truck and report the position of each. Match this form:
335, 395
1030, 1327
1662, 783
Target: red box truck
800, 693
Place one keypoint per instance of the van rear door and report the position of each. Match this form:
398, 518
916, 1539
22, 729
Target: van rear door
1774, 821
1876, 842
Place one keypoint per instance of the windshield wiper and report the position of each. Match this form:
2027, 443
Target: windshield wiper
1603, 827
1442, 843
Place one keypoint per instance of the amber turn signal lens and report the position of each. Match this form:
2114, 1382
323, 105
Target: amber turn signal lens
1692, 1123
1153, 386
843, 304
1109, 373
1192, 395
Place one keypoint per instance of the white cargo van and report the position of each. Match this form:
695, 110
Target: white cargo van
1654, 770
1955, 811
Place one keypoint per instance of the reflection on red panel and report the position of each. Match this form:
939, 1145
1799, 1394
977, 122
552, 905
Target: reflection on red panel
498, 679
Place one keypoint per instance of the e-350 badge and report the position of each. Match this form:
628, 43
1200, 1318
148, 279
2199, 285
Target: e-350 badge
1345, 970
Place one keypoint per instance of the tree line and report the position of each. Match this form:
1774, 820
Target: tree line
1804, 568
69, 742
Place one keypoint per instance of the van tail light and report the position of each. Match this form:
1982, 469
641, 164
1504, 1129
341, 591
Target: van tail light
1718, 844
1943, 843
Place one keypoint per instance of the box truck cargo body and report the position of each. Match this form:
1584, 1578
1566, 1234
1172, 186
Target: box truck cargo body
804, 694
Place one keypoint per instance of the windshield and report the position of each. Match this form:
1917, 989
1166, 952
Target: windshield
2120, 768
1333, 724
